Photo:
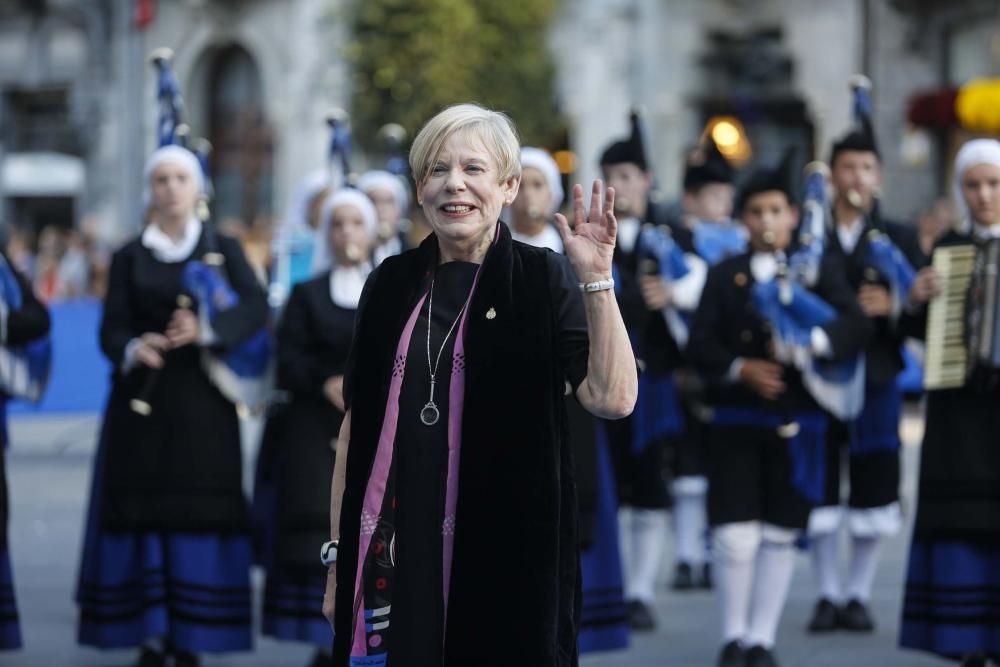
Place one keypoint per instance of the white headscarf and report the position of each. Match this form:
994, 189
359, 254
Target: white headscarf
538, 159
371, 180
322, 258
297, 214
972, 153
177, 155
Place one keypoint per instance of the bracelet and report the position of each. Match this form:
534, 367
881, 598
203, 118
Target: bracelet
598, 286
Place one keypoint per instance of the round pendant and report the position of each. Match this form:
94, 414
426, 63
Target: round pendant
430, 414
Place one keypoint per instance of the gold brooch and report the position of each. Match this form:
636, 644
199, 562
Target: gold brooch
740, 279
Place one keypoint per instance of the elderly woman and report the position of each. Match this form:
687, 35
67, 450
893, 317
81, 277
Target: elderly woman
314, 337
452, 511
166, 556
953, 581
391, 197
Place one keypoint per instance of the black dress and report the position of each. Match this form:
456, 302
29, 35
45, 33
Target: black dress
166, 551
296, 460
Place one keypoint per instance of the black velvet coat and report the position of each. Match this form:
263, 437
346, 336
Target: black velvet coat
515, 581
177, 469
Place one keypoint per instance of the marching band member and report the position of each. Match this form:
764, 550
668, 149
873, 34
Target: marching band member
23, 320
766, 428
952, 593
537, 201
639, 444
603, 621
166, 556
314, 337
391, 197
707, 204
860, 237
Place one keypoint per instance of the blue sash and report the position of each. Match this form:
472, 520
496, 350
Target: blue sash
806, 447
876, 429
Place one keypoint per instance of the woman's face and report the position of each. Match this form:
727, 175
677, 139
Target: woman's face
348, 239
462, 194
534, 197
387, 209
981, 190
174, 190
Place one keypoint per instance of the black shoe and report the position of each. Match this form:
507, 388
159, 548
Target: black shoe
640, 616
856, 618
683, 577
732, 655
826, 617
151, 658
974, 661
185, 659
758, 656
707, 582
322, 659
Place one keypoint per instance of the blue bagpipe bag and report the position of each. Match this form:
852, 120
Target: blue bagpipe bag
241, 372
24, 369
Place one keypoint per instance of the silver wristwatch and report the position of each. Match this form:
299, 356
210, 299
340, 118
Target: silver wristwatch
328, 552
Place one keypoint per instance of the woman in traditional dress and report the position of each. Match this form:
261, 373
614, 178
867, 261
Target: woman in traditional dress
314, 338
453, 515
953, 580
391, 197
166, 557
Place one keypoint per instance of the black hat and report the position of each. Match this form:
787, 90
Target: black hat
713, 167
766, 179
861, 136
628, 150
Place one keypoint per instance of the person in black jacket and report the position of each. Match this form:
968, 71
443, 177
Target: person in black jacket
313, 341
870, 442
166, 560
18, 326
641, 444
766, 434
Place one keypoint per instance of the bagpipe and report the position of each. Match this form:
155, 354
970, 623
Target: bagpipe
295, 241
237, 373
792, 311
24, 369
240, 373
659, 254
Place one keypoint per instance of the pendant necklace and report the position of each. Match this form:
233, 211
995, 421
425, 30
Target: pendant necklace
430, 414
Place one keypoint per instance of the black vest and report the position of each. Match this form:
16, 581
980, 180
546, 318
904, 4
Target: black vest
515, 584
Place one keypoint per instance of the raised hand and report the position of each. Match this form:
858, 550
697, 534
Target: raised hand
591, 243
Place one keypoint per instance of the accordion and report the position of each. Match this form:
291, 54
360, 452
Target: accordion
963, 321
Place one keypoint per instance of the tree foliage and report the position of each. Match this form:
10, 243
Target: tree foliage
411, 58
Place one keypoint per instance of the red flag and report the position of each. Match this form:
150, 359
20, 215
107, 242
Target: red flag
145, 12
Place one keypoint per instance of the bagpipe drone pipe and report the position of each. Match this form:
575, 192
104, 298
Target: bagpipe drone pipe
660, 255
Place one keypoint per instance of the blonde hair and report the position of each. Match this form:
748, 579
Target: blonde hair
494, 129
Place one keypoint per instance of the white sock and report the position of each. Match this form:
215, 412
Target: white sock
772, 578
689, 528
155, 644
625, 547
825, 566
649, 528
735, 547
864, 561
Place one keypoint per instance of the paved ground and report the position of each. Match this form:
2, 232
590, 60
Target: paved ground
49, 470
